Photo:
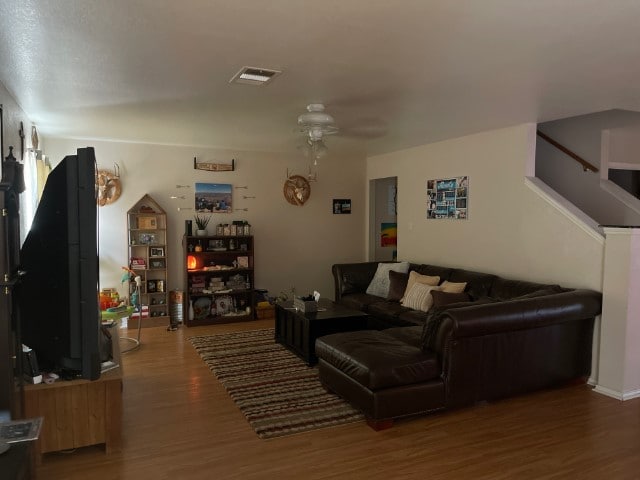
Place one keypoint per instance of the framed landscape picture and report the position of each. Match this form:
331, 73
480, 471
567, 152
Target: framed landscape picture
214, 197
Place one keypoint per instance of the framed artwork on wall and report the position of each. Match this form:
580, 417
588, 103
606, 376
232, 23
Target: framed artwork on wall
448, 198
388, 234
341, 206
214, 197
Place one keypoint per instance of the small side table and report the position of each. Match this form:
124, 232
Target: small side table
116, 317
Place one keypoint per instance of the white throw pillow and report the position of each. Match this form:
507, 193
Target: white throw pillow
419, 297
379, 285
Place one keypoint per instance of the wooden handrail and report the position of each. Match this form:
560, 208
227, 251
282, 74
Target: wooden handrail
585, 165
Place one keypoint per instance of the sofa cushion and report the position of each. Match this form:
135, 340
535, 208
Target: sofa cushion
441, 298
359, 301
419, 297
412, 317
478, 283
415, 277
377, 360
443, 272
386, 310
354, 277
379, 285
410, 335
397, 285
453, 287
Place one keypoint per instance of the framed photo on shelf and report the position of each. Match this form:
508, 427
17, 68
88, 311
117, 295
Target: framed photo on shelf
147, 238
243, 262
156, 252
151, 286
157, 263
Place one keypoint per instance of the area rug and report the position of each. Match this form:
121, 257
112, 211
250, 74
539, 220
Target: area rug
275, 390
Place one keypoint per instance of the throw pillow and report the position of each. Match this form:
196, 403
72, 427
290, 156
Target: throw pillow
419, 297
442, 298
415, 277
452, 287
397, 285
379, 285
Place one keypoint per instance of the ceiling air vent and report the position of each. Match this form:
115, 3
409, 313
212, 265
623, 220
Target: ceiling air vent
254, 76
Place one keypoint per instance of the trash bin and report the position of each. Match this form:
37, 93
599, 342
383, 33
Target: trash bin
176, 298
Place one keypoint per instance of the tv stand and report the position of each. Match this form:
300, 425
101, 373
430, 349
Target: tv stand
79, 413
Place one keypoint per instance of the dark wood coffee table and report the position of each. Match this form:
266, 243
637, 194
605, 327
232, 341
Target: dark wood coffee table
298, 331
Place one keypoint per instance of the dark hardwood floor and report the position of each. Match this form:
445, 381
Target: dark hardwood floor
180, 424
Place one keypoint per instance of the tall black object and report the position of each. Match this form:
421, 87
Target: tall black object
58, 291
11, 185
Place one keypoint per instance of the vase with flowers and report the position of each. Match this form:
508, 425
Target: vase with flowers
201, 223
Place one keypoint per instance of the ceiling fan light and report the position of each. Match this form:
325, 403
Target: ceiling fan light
316, 117
315, 133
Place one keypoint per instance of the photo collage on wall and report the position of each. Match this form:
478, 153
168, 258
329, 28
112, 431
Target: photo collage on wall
448, 198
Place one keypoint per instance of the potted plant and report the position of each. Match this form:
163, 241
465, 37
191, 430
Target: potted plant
201, 223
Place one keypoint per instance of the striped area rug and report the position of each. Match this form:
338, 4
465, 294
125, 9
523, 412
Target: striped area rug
275, 390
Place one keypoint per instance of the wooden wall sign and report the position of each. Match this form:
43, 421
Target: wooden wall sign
214, 167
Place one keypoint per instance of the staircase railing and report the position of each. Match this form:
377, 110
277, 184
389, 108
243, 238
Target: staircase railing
588, 167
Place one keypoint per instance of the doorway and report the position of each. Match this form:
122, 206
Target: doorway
383, 218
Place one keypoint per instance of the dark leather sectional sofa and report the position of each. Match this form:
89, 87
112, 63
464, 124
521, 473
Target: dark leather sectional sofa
511, 337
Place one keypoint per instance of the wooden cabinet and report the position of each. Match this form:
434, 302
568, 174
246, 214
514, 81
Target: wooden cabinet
147, 229
219, 280
79, 413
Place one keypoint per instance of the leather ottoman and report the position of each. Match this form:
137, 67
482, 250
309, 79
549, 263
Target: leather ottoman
383, 373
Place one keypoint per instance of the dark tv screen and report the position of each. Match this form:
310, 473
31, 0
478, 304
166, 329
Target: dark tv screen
58, 293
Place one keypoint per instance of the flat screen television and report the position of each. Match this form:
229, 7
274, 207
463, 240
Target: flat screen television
58, 292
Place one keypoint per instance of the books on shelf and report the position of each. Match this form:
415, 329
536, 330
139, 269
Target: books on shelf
138, 263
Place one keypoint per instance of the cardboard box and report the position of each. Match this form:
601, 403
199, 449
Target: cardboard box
265, 312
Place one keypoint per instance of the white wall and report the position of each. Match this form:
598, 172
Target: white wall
583, 136
511, 231
624, 144
295, 246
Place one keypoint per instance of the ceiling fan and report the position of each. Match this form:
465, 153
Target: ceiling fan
315, 124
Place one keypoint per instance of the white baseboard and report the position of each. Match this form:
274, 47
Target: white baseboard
623, 396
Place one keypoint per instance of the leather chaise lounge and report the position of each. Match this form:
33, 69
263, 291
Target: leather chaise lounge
509, 338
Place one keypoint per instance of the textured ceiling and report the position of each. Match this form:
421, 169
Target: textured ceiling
393, 74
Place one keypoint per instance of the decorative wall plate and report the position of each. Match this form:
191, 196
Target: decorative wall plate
108, 186
296, 190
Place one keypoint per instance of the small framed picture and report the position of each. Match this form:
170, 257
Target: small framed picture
157, 263
341, 206
151, 286
243, 262
156, 252
147, 238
